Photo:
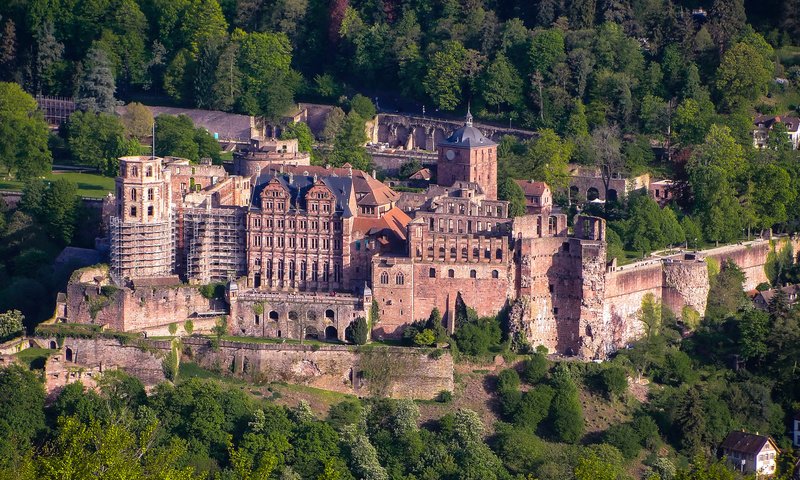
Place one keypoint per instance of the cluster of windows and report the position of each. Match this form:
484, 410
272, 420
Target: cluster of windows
462, 226
294, 225
452, 273
302, 271
476, 253
399, 279
488, 210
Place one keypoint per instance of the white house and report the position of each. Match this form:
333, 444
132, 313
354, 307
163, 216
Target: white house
751, 453
764, 123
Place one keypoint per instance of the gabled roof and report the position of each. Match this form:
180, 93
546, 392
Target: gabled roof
744, 442
792, 123
532, 188
299, 185
423, 174
392, 224
369, 191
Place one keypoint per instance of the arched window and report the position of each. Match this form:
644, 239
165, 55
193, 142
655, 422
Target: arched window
400, 279
451, 273
499, 254
487, 253
432, 273
441, 252
452, 252
473, 274
476, 253
464, 253
384, 278
495, 274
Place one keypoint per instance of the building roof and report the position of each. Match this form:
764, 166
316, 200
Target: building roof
744, 442
423, 174
369, 191
791, 292
532, 188
792, 123
299, 185
394, 222
468, 136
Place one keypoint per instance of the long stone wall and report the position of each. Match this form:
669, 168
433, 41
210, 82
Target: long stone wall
384, 371
678, 281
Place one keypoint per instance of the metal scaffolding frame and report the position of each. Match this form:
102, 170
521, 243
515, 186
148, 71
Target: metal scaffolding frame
141, 249
214, 244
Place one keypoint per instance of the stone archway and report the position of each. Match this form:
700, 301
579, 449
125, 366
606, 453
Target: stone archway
592, 194
70, 356
331, 333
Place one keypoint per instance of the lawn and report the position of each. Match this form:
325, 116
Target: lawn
34, 357
89, 185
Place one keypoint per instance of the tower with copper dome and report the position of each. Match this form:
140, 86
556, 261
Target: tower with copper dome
468, 156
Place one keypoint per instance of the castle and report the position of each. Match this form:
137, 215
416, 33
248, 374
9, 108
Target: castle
305, 250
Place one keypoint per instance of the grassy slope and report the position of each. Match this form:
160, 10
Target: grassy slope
89, 185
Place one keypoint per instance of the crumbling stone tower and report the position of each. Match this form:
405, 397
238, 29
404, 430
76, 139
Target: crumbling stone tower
142, 240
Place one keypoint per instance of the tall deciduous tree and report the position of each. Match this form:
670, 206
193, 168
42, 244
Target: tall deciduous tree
98, 139
62, 205
547, 160
443, 81
743, 75
23, 134
269, 81
349, 144
502, 84
566, 413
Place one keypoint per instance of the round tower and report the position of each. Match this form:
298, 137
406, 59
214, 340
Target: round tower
142, 241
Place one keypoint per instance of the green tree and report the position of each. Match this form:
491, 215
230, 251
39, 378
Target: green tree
713, 170
349, 144
534, 407
510, 191
333, 124
547, 159
98, 139
778, 138
566, 413
23, 134
21, 404
269, 81
502, 84
693, 120
300, 131
96, 88
443, 80
592, 466
62, 204
743, 75
547, 49
726, 293
535, 368
10, 324
363, 106
138, 121
754, 328
615, 382
177, 136
360, 329
364, 459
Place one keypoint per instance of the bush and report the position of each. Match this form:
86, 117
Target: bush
646, 431
425, 338
614, 380
508, 380
624, 438
535, 368
359, 331
566, 413
445, 396
477, 337
534, 407
213, 291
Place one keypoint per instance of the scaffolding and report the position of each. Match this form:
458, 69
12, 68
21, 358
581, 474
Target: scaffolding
141, 249
214, 244
56, 110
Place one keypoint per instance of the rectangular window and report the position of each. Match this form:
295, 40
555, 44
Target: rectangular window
257, 240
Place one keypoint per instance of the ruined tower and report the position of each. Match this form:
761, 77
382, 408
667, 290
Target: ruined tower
142, 241
468, 156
